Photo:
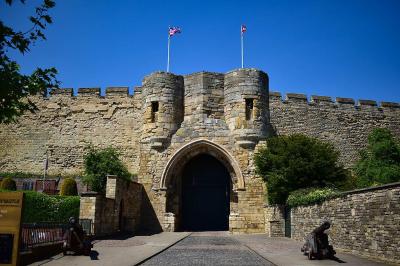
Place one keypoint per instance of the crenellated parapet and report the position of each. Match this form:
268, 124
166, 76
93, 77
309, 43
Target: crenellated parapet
338, 102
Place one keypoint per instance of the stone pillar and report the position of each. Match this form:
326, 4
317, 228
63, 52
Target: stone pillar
275, 220
111, 186
90, 204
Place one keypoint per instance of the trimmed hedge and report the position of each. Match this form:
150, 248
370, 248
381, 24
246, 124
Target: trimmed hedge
40, 207
310, 196
8, 183
69, 187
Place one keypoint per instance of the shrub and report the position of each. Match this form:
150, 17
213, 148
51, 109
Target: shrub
310, 196
289, 163
69, 187
100, 163
8, 184
40, 207
380, 162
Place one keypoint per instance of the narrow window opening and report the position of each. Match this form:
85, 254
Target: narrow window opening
249, 109
154, 111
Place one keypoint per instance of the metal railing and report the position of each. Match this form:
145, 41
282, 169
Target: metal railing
38, 234
86, 226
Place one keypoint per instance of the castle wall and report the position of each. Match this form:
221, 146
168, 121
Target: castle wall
169, 112
65, 125
343, 122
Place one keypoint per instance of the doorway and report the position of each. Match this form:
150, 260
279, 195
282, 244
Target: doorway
205, 194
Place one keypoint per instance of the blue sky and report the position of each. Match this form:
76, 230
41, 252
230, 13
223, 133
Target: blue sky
343, 48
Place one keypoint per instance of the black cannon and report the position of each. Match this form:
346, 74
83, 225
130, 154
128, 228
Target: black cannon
317, 244
76, 240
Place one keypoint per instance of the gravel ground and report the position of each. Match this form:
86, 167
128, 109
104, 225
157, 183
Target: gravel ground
208, 249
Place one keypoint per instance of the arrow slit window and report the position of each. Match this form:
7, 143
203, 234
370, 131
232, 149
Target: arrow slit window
154, 112
249, 109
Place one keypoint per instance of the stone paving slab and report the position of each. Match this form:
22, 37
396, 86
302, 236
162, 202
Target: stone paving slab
130, 251
285, 251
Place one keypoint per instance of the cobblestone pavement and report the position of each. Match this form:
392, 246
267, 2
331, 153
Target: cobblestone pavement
222, 248
213, 248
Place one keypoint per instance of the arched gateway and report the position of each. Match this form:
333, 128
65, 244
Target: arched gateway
200, 181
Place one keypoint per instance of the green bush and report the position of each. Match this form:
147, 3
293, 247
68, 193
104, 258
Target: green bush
288, 163
102, 162
380, 162
40, 207
69, 187
8, 184
310, 196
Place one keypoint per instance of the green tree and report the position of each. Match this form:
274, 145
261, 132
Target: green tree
380, 162
15, 86
102, 162
288, 163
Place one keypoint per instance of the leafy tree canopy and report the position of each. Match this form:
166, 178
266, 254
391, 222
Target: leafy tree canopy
15, 86
380, 162
288, 163
102, 162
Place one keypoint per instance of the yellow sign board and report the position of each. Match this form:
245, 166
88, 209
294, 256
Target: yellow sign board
10, 226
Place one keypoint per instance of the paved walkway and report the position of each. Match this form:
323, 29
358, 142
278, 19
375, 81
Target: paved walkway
119, 252
214, 248
203, 248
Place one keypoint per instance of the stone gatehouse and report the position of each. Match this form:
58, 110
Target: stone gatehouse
190, 139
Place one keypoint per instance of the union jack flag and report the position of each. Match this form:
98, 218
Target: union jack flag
243, 29
174, 30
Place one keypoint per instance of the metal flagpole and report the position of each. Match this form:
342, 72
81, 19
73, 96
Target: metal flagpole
169, 38
46, 165
241, 35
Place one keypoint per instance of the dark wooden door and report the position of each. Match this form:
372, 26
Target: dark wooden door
205, 195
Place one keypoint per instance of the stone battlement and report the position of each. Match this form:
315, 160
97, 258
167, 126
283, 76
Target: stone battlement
336, 102
203, 79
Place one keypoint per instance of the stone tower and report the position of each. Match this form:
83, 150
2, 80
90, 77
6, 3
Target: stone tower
246, 105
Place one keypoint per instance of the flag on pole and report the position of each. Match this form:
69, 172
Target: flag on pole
174, 30
171, 32
243, 29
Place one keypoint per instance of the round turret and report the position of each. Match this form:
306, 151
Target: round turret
246, 105
163, 107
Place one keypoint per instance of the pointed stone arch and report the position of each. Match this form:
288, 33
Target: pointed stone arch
190, 150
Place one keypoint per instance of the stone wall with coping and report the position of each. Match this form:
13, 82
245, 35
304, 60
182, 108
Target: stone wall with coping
120, 209
364, 222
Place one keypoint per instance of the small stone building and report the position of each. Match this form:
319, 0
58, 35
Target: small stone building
190, 140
